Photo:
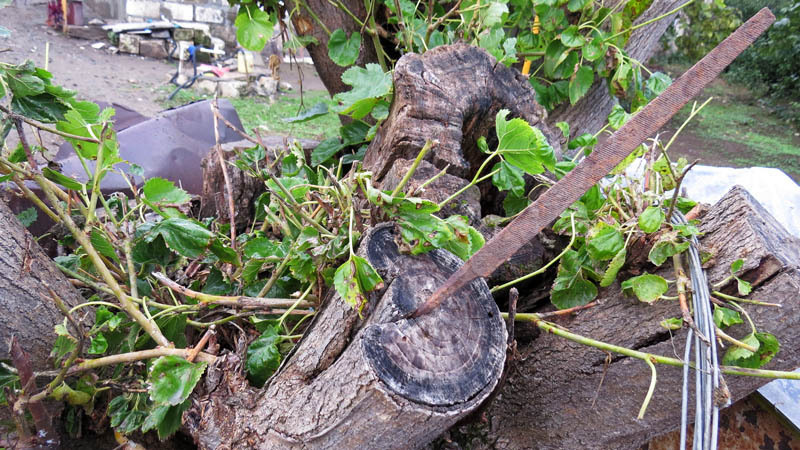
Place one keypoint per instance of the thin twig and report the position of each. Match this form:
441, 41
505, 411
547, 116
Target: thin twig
47, 129
678, 188
224, 168
212, 330
420, 156
240, 301
24, 142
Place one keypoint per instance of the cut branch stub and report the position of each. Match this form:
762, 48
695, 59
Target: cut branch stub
452, 94
442, 359
386, 382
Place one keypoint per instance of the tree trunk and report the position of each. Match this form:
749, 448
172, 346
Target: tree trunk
383, 382
333, 18
591, 112
562, 395
26, 276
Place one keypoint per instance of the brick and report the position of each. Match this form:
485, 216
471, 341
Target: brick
177, 11
211, 15
129, 43
144, 8
153, 48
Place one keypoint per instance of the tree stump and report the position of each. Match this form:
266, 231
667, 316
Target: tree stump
451, 94
383, 382
561, 396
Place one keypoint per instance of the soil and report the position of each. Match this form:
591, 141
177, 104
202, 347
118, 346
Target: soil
134, 81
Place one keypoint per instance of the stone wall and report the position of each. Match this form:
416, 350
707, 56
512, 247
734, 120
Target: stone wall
217, 14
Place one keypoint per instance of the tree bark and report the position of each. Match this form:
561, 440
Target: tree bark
591, 112
562, 395
450, 94
26, 275
333, 18
383, 382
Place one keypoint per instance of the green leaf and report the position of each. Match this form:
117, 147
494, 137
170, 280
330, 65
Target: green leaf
153, 251
101, 244
159, 190
513, 204
71, 396
224, 253
354, 132
577, 293
604, 242
593, 50
743, 287
618, 117
368, 278
263, 247
369, 84
325, 150
522, 145
509, 178
647, 287
651, 219
99, 344
263, 357
346, 285
584, 140
580, 84
564, 127
28, 217
165, 419
344, 50
656, 84
725, 317
766, 344
185, 237
24, 84
318, 110
737, 266
571, 37
593, 198
172, 379
61, 179
613, 268
577, 5
254, 27
665, 248
674, 323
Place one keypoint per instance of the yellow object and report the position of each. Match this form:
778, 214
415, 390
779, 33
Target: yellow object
526, 68
536, 25
244, 62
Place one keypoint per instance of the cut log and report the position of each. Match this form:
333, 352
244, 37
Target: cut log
386, 382
562, 397
246, 189
26, 274
451, 94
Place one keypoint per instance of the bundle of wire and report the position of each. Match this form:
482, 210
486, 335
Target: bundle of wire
708, 377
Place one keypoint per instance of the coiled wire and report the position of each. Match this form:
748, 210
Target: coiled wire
707, 370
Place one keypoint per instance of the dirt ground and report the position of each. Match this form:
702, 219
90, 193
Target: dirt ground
134, 81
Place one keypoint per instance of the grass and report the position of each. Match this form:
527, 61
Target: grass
736, 129
259, 112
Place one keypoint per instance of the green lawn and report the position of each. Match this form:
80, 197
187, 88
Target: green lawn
736, 129
259, 112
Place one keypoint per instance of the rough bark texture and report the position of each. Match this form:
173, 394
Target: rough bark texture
591, 112
559, 396
26, 274
333, 17
385, 382
450, 94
